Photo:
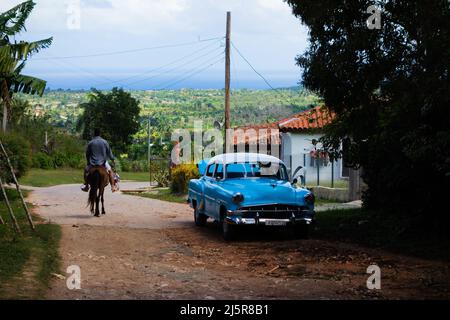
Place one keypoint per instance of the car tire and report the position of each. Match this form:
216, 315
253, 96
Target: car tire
199, 218
228, 231
301, 231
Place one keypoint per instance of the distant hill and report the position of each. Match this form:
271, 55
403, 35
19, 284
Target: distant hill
179, 108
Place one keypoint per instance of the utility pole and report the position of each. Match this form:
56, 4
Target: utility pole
149, 160
227, 79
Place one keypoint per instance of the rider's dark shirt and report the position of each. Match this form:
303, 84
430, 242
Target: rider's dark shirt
98, 152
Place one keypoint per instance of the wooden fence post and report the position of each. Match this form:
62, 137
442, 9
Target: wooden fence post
1, 220
30, 220
8, 205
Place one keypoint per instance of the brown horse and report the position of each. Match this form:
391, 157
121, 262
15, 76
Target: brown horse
98, 180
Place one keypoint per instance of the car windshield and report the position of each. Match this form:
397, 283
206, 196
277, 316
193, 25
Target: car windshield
258, 169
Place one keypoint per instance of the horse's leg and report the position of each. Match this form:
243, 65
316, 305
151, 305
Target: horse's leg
103, 201
92, 204
97, 204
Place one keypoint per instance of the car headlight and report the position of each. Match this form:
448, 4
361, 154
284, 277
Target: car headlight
309, 198
237, 198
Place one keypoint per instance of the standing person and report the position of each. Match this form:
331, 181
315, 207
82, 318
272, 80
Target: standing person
98, 152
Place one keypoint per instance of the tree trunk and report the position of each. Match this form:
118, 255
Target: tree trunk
6, 104
5, 116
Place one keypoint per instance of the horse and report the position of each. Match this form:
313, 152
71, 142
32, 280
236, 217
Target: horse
98, 180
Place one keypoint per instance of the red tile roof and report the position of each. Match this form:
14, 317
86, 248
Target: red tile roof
253, 134
315, 118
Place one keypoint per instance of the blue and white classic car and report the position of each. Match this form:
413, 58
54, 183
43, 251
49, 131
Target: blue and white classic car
249, 189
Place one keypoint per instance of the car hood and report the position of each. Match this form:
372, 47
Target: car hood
265, 191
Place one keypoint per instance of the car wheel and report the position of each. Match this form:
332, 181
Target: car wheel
199, 218
228, 231
301, 231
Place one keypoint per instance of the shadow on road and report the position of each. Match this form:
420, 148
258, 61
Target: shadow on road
213, 231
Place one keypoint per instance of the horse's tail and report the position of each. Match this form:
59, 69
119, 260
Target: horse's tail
95, 183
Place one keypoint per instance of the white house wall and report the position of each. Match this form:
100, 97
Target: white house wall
296, 148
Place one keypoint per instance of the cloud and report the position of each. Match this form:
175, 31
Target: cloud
96, 3
264, 30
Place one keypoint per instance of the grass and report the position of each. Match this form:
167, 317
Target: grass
320, 201
34, 252
135, 176
337, 184
163, 194
390, 232
48, 178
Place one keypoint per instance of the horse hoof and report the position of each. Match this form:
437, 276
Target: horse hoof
97, 215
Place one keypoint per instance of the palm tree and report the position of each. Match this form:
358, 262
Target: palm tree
13, 56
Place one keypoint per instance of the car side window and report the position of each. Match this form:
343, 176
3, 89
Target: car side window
219, 172
210, 170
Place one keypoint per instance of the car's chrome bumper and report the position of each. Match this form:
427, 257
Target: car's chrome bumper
293, 218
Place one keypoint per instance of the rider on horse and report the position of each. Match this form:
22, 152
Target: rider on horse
98, 153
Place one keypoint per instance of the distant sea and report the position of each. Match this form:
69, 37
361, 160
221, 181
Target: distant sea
86, 83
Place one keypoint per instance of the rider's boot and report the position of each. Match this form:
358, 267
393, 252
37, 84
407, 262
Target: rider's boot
85, 187
112, 181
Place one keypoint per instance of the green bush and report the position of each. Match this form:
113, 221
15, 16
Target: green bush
160, 173
124, 165
181, 175
59, 159
64, 151
12, 194
42, 161
133, 166
19, 152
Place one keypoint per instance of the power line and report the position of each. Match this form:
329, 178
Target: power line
157, 68
77, 68
260, 75
195, 72
251, 66
173, 69
129, 51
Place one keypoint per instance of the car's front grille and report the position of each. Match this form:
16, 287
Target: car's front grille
273, 211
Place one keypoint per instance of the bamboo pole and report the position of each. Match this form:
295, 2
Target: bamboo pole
8, 205
30, 220
1, 220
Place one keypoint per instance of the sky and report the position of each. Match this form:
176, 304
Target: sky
163, 44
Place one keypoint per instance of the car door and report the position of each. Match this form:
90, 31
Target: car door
216, 191
209, 190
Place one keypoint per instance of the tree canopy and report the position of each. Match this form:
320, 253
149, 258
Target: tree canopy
13, 56
390, 90
115, 113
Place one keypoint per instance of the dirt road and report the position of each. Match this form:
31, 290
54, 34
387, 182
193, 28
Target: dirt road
148, 249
